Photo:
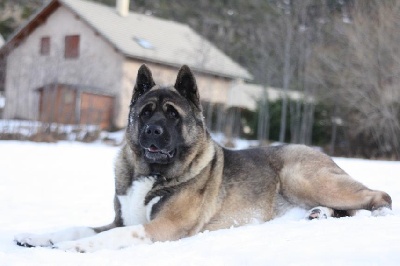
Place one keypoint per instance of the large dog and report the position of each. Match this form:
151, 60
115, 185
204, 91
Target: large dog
173, 181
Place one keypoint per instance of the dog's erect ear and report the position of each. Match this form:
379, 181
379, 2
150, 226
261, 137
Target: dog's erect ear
144, 82
186, 85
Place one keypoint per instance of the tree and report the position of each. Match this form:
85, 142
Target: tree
286, 67
363, 68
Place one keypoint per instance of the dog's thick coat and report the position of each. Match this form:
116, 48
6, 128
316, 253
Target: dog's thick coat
173, 181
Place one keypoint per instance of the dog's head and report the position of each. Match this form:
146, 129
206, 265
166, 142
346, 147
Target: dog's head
165, 123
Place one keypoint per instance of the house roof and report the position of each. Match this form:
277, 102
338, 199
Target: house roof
246, 95
146, 37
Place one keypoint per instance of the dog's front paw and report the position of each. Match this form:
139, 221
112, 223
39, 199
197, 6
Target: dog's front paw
72, 246
31, 240
80, 246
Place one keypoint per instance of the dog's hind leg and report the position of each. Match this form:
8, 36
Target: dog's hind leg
311, 179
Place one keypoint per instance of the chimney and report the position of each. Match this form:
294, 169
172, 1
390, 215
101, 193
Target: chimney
123, 7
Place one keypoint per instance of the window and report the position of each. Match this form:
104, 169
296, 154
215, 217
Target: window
71, 46
45, 46
143, 43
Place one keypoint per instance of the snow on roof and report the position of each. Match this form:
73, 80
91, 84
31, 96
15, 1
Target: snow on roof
246, 95
157, 40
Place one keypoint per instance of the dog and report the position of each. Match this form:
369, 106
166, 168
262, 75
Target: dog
173, 181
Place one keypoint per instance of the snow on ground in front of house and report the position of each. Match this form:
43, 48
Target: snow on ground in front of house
46, 187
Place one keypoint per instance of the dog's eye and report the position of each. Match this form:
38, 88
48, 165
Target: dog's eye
172, 113
146, 112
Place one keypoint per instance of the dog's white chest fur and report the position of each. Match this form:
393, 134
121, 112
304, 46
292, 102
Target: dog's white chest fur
133, 208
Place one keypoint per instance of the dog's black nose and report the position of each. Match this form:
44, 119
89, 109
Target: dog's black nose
154, 130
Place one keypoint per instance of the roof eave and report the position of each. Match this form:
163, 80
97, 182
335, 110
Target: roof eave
247, 77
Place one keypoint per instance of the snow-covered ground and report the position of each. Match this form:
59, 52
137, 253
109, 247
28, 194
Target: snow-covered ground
46, 187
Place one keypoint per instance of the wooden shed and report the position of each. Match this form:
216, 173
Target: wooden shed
75, 104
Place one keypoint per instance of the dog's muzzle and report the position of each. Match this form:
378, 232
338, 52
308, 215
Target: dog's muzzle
155, 142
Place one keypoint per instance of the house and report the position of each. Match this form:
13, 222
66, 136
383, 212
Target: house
73, 56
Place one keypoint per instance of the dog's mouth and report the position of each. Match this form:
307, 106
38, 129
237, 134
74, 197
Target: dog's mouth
156, 155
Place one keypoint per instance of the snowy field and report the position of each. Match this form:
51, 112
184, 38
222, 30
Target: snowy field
46, 187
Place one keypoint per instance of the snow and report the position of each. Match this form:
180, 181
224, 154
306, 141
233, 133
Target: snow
28, 128
47, 187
